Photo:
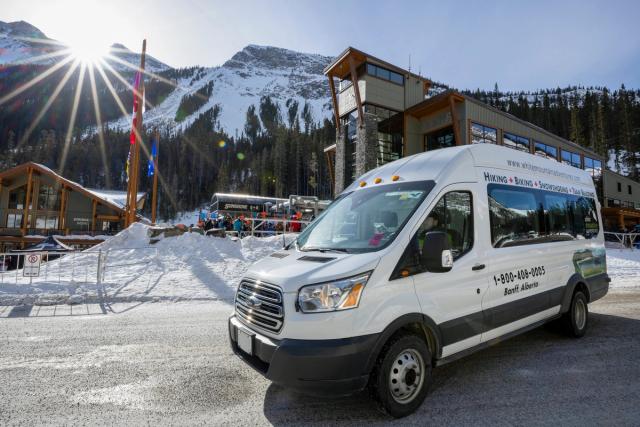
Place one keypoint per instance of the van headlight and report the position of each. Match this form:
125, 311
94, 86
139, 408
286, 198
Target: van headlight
340, 294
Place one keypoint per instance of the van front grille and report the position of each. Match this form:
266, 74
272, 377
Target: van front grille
260, 304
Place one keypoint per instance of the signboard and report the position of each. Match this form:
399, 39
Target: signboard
240, 207
31, 265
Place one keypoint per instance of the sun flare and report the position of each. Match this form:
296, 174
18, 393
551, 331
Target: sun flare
88, 52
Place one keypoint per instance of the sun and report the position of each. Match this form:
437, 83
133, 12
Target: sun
88, 52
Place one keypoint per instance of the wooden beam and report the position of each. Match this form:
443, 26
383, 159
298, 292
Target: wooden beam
61, 214
155, 179
25, 219
332, 176
334, 100
454, 119
356, 90
134, 167
93, 215
108, 217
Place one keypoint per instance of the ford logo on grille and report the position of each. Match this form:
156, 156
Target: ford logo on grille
253, 302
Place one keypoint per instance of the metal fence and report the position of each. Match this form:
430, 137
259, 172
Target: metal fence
266, 227
622, 240
64, 270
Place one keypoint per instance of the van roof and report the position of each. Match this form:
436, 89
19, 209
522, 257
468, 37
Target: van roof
460, 164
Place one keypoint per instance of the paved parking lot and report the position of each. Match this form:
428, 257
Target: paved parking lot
169, 363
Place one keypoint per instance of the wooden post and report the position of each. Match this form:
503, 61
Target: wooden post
356, 90
334, 99
454, 119
25, 219
132, 197
63, 208
332, 175
93, 215
154, 194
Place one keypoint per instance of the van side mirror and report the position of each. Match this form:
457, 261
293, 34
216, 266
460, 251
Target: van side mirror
436, 254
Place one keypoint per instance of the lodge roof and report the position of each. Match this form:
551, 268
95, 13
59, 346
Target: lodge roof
107, 198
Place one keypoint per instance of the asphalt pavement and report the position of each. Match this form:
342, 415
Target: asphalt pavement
170, 363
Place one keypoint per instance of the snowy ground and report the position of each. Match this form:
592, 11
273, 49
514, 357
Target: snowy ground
191, 267
623, 266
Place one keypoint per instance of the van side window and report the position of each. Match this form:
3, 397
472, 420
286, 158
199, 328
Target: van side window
524, 216
453, 214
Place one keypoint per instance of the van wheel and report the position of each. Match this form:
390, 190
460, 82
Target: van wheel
576, 319
401, 378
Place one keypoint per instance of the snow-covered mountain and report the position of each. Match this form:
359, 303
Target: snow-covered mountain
252, 73
22, 43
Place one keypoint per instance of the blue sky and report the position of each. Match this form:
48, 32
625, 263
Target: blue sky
467, 44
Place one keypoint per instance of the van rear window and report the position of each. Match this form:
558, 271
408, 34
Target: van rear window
523, 216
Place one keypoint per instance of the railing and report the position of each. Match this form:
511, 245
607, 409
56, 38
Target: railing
60, 272
622, 240
262, 227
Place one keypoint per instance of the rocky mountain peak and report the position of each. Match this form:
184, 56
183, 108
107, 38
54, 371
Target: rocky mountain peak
20, 29
270, 57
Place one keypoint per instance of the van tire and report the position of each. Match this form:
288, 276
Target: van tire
576, 320
411, 351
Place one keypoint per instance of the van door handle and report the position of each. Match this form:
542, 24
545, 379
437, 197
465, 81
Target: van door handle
478, 267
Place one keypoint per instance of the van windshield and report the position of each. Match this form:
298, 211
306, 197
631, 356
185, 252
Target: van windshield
365, 220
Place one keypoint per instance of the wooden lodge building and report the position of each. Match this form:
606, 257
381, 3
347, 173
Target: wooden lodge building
36, 202
384, 112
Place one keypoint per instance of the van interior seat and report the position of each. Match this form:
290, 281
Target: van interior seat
388, 218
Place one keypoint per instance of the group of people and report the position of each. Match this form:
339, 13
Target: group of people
242, 226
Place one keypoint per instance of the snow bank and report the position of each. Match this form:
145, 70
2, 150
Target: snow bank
190, 266
623, 266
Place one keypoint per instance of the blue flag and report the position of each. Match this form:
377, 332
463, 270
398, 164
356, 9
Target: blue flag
154, 154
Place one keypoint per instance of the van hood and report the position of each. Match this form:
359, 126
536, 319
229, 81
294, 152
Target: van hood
291, 269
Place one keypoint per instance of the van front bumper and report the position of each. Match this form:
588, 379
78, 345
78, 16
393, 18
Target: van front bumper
323, 367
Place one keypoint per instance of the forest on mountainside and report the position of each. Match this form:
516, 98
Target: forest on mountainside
275, 155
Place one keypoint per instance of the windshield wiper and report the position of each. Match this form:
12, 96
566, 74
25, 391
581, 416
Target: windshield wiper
323, 250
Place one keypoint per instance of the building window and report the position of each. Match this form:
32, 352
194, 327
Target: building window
344, 84
439, 139
629, 188
516, 142
47, 222
546, 151
483, 134
572, 159
390, 132
14, 220
385, 74
48, 199
17, 198
350, 124
594, 167
619, 187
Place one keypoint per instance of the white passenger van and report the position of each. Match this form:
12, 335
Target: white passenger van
418, 263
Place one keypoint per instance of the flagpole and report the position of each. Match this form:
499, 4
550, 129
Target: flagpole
135, 160
155, 179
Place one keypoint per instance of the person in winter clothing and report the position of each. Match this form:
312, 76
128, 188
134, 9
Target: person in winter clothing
237, 226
